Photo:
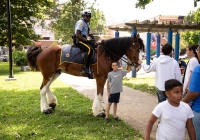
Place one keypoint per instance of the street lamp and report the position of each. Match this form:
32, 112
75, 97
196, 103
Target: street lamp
11, 77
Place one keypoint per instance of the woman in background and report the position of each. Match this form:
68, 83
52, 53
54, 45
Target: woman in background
193, 62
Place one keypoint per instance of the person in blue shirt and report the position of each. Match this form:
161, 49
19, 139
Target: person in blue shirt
193, 96
81, 33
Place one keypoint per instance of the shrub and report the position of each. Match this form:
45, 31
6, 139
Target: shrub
153, 52
19, 58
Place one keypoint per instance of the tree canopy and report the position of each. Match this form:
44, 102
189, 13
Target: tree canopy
142, 3
64, 23
24, 14
192, 37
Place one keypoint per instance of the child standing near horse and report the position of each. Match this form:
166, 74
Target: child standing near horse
114, 87
174, 115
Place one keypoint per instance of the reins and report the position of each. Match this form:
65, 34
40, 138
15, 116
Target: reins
131, 64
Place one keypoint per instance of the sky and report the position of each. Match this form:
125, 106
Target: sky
118, 11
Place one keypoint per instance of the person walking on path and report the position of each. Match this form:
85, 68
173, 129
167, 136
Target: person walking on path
193, 96
166, 68
193, 62
174, 115
114, 87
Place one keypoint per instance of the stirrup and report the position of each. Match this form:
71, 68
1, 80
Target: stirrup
90, 70
85, 70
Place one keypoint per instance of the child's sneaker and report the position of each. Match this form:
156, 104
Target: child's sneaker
117, 119
106, 120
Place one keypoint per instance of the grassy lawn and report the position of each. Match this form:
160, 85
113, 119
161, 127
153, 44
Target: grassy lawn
142, 84
21, 119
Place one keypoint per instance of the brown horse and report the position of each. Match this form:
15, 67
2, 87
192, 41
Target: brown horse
49, 63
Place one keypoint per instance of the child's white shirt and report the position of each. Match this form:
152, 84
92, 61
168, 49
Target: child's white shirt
173, 120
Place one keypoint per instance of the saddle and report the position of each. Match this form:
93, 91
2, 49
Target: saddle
73, 54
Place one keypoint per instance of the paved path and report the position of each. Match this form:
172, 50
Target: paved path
135, 107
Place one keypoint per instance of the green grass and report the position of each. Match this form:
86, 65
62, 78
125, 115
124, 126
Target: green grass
21, 119
142, 84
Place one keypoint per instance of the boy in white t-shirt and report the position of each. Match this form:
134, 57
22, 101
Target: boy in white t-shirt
174, 115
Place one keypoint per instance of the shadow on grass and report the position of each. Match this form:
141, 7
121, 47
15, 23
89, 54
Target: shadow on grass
72, 119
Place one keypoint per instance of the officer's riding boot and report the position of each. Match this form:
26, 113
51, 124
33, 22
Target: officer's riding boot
85, 69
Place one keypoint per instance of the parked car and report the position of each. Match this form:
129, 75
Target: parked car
4, 58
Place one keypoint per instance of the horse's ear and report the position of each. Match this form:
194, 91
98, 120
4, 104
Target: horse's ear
135, 35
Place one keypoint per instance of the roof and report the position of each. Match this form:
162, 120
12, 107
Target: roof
45, 43
177, 25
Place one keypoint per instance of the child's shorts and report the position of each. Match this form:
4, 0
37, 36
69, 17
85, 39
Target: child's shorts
114, 98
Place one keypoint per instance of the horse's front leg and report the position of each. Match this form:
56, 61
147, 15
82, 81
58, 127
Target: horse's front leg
97, 108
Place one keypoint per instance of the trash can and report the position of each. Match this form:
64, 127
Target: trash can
133, 74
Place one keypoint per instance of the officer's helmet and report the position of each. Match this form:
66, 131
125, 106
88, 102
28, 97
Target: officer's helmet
86, 12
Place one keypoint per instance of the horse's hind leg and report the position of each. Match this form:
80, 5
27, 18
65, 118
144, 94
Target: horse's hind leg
52, 100
43, 103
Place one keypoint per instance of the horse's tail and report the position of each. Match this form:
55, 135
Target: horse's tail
31, 55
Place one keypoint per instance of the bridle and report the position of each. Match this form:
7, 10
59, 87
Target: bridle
134, 64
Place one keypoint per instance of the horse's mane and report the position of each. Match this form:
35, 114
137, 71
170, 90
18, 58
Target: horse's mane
116, 46
141, 43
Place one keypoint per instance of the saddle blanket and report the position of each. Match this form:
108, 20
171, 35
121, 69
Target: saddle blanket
74, 55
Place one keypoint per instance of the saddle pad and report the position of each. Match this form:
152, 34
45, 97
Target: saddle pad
74, 55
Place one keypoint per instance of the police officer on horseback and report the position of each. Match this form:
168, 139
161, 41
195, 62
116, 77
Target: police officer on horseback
81, 33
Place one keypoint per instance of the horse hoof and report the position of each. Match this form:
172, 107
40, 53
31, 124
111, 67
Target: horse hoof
48, 111
52, 105
103, 115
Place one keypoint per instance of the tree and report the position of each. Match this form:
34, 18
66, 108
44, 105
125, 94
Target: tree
192, 37
24, 14
183, 43
63, 25
142, 3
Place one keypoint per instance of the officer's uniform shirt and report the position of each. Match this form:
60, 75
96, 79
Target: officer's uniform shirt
82, 26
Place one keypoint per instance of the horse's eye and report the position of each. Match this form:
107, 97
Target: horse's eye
138, 50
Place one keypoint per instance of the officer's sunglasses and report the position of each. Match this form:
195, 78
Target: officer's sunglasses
88, 16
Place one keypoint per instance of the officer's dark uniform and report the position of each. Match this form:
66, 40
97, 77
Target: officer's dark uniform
83, 26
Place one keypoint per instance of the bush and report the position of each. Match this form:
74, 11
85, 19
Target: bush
153, 52
19, 58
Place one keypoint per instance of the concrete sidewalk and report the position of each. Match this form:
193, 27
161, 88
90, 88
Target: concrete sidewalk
135, 107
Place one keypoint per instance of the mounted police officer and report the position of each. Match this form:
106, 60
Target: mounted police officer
81, 33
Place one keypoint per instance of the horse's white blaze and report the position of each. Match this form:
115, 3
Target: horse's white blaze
97, 105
